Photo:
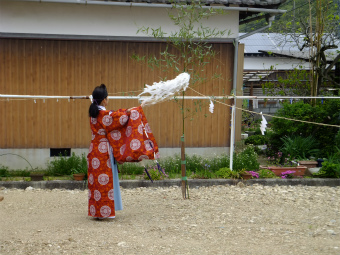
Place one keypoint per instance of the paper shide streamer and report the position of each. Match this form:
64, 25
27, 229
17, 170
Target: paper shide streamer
263, 124
211, 107
165, 90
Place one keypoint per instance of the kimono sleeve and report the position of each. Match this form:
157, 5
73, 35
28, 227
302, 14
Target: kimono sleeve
115, 119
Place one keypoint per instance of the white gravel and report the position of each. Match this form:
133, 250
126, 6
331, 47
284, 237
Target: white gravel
229, 220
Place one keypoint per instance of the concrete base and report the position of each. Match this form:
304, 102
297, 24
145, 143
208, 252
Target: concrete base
193, 183
38, 158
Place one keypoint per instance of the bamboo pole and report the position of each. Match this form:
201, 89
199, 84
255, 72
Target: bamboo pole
183, 167
232, 136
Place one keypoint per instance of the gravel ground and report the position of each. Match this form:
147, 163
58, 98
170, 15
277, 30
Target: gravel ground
229, 220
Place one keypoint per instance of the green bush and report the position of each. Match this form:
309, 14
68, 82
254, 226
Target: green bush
326, 112
298, 147
328, 170
4, 171
265, 173
131, 169
194, 163
247, 160
64, 165
155, 174
227, 173
256, 140
20, 173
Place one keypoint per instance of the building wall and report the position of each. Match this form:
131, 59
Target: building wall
70, 68
74, 67
94, 20
278, 63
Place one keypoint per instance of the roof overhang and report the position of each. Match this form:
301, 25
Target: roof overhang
303, 55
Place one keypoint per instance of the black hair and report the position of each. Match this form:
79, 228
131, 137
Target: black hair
98, 94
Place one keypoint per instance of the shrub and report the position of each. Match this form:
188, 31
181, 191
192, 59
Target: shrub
247, 159
155, 174
256, 140
131, 168
63, 165
194, 163
4, 171
297, 147
227, 173
326, 112
328, 170
265, 173
20, 173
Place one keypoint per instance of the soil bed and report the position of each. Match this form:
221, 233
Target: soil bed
215, 220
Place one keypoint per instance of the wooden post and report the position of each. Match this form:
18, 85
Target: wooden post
183, 168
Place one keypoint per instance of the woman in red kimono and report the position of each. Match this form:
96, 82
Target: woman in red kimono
101, 165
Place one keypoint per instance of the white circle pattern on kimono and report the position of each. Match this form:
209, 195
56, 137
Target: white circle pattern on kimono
123, 119
129, 158
103, 179
101, 132
147, 128
97, 195
89, 194
148, 145
105, 211
134, 115
93, 136
94, 121
103, 140
116, 135
92, 210
143, 157
122, 149
91, 179
102, 147
91, 147
135, 144
108, 163
95, 163
110, 194
140, 129
128, 131
107, 120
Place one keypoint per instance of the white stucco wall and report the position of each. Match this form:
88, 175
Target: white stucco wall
96, 20
38, 158
279, 63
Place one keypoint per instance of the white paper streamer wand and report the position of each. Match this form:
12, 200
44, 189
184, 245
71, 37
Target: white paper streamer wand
164, 90
263, 124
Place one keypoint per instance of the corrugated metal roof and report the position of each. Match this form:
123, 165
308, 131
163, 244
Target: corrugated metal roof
268, 42
277, 43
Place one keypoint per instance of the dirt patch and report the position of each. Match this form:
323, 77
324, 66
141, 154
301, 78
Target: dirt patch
215, 220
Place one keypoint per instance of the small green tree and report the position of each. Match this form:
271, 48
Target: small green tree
313, 27
296, 83
187, 50
315, 34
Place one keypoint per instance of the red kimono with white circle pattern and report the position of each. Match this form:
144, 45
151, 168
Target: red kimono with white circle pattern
131, 140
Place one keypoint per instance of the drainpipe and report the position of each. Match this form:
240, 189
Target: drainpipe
236, 42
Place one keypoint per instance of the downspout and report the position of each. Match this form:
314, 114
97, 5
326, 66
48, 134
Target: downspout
236, 42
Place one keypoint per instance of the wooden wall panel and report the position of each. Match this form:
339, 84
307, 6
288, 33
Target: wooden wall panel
52, 67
